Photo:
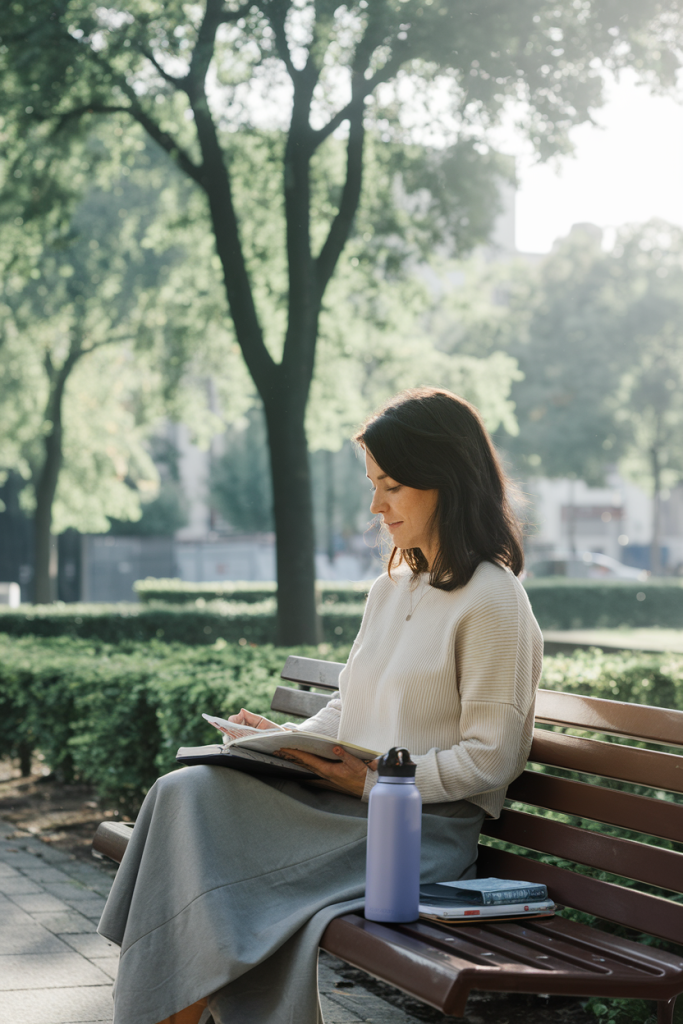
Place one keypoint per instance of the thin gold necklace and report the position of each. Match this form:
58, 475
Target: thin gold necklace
410, 613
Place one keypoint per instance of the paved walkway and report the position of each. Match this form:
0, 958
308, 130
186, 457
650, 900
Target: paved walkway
55, 968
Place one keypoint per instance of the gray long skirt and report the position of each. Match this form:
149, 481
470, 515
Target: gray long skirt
229, 882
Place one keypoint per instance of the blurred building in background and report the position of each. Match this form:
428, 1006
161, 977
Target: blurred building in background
571, 518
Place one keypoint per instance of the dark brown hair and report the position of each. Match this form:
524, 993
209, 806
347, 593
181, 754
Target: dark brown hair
429, 438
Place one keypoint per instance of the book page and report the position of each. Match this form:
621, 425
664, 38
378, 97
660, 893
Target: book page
231, 730
268, 740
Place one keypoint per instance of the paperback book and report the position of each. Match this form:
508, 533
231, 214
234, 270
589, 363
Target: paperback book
485, 891
253, 750
471, 900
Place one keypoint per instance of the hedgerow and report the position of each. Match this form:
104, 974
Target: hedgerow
201, 622
606, 604
557, 604
176, 591
114, 716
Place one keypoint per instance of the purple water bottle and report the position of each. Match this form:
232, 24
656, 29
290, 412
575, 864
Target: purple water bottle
392, 877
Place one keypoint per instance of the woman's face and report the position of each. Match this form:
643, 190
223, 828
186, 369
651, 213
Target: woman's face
406, 512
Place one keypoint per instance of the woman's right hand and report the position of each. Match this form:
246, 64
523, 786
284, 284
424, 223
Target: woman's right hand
255, 721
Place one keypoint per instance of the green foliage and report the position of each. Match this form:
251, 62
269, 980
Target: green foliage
96, 330
200, 623
180, 591
557, 603
200, 613
240, 478
114, 716
160, 517
631, 677
595, 604
649, 400
622, 1011
597, 336
572, 353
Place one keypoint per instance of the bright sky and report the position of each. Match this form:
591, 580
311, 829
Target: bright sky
628, 170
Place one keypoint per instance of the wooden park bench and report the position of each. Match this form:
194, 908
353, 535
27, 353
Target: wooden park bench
440, 964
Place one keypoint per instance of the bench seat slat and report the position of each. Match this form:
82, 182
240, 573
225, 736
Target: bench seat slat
613, 717
616, 903
651, 768
611, 806
538, 943
639, 861
312, 672
400, 954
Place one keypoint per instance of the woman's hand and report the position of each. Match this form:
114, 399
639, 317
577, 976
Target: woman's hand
344, 776
255, 721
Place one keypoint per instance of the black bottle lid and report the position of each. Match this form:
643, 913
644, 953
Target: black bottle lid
397, 762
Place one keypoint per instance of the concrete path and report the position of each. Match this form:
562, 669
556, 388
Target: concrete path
55, 968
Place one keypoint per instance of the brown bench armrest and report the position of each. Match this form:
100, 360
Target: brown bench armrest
111, 840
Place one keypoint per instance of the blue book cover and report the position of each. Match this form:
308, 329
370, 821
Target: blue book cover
482, 891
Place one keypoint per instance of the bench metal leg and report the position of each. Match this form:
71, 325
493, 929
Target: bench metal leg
665, 1011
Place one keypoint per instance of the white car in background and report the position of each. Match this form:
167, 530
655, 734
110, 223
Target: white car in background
588, 565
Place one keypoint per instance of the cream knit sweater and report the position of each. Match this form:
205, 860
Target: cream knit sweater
455, 683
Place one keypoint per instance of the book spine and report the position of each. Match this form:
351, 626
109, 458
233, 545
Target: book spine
505, 896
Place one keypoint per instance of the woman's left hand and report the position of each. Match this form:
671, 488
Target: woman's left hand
345, 776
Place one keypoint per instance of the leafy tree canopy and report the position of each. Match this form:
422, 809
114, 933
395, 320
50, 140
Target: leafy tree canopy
310, 83
102, 302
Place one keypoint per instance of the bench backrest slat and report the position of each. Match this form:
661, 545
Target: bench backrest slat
611, 806
312, 672
635, 860
616, 903
299, 703
651, 768
613, 717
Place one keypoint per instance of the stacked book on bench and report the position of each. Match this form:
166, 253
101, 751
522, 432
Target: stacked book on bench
498, 899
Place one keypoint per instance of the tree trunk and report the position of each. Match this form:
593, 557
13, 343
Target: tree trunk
47, 478
45, 588
656, 543
329, 505
297, 620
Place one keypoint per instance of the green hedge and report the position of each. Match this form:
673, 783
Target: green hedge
606, 604
175, 591
196, 623
558, 604
633, 677
115, 716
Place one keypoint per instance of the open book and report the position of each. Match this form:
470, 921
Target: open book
252, 750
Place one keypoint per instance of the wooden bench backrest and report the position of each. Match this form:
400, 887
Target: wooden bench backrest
538, 788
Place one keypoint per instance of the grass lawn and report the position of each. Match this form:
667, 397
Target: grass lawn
625, 638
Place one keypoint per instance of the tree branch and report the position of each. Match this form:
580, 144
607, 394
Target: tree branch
361, 94
202, 54
163, 139
341, 225
241, 12
218, 187
177, 83
276, 11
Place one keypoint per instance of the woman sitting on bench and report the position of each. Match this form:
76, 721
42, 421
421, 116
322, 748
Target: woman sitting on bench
229, 880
